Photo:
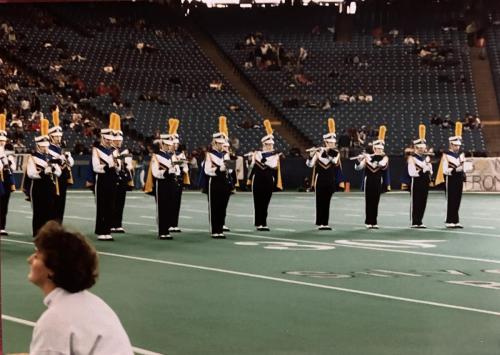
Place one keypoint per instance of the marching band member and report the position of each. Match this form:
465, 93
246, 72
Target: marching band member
43, 172
327, 175
163, 171
420, 172
182, 175
265, 176
65, 160
376, 178
451, 171
105, 177
7, 183
125, 175
217, 183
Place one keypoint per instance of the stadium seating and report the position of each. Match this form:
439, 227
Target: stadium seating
177, 56
405, 93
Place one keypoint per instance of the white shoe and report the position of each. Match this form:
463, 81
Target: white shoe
105, 237
118, 230
113, 230
4, 232
165, 237
457, 225
177, 230
375, 226
171, 229
368, 226
226, 229
449, 225
324, 228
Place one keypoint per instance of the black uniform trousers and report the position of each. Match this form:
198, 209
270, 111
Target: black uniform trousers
219, 191
105, 190
120, 196
419, 193
325, 187
262, 189
60, 201
166, 195
454, 188
373, 190
4, 206
42, 194
178, 198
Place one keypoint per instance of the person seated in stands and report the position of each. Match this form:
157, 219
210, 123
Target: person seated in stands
108, 69
302, 55
409, 40
343, 97
368, 98
352, 98
216, 85
302, 79
476, 123
446, 122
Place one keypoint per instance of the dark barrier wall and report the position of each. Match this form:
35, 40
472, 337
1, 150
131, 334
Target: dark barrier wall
293, 170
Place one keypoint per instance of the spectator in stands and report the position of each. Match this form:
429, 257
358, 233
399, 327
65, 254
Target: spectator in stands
102, 89
302, 56
216, 85
108, 69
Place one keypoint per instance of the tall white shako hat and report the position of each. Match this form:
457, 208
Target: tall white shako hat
420, 142
107, 133
116, 127
269, 137
43, 139
166, 138
380, 142
331, 136
221, 136
3, 131
56, 129
457, 138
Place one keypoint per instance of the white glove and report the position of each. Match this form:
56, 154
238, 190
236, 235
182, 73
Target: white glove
48, 170
223, 167
459, 169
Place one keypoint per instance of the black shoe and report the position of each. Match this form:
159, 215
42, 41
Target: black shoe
165, 237
218, 236
4, 232
226, 229
117, 230
263, 229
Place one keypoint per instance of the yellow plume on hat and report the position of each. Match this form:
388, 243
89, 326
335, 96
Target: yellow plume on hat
223, 126
118, 123
458, 129
176, 126
381, 133
170, 125
331, 125
55, 118
3, 119
267, 125
44, 127
113, 120
421, 131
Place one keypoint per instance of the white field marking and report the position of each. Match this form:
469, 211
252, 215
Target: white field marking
20, 211
447, 256
263, 277
371, 274
137, 224
194, 230
243, 230
397, 273
148, 217
185, 217
15, 233
483, 227
81, 218
308, 284
287, 216
285, 229
32, 324
351, 215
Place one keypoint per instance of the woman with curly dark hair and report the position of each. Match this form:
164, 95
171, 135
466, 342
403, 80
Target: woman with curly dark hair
76, 321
